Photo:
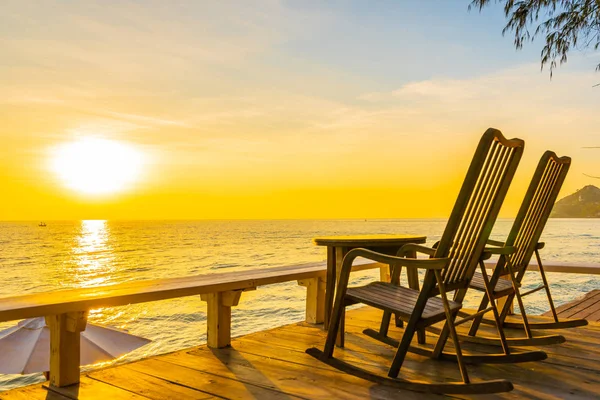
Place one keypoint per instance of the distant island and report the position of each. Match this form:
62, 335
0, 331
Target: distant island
584, 203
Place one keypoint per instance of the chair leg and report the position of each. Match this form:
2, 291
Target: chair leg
399, 322
546, 285
421, 336
342, 329
332, 332
477, 320
488, 291
335, 323
339, 309
409, 330
459, 296
450, 319
519, 300
409, 333
385, 323
506, 309
441, 342
459, 356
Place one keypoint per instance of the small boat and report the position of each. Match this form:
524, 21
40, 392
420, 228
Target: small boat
42, 224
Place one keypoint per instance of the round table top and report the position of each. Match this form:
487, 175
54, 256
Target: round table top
379, 240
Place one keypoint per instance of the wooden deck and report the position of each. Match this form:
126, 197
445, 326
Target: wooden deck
586, 307
273, 365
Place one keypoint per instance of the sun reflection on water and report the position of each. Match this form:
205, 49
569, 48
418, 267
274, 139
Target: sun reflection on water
92, 255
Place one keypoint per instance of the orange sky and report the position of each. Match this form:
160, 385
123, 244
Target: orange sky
252, 115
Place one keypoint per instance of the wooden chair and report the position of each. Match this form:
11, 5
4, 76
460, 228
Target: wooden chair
450, 268
524, 236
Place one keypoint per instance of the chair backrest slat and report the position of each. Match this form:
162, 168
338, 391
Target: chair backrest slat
536, 207
471, 224
476, 209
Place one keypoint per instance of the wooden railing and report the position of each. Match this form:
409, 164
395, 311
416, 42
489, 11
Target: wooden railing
570, 268
66, 310
563, 267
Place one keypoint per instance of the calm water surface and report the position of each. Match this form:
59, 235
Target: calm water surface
90, 253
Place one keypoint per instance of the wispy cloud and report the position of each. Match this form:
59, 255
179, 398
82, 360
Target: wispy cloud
142, 119
30, 100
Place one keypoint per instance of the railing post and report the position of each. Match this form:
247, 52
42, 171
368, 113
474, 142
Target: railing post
315, 299
218, 316
65, 351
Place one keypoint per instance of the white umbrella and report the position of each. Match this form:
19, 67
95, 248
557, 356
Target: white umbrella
25, 348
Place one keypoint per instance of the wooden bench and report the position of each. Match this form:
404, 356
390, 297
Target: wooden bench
66, 310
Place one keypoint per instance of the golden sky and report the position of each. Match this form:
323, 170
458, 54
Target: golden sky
273, 110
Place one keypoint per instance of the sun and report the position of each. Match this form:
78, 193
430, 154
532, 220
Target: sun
94, 166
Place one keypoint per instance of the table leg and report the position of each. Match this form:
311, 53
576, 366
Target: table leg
329, 285
412, 276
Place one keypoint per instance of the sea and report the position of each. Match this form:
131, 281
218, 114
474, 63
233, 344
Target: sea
75, 254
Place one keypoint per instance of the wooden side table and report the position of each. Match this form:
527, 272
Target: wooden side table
339, 246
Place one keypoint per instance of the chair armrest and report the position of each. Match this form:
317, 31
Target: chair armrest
506, 250
540, 245
417, 248
495, 243
503, 251
423, 263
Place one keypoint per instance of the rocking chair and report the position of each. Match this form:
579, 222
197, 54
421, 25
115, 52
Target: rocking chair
524, 237
450, 268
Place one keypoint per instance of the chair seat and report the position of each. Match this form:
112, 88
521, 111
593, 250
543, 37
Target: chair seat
503, 286
399, 300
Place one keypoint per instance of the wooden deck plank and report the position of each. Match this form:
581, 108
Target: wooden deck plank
578, 307
273, 365
283, 375
594, 317
581, 309
147, 385
209, 383
33, 392
96, 390
587, 312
